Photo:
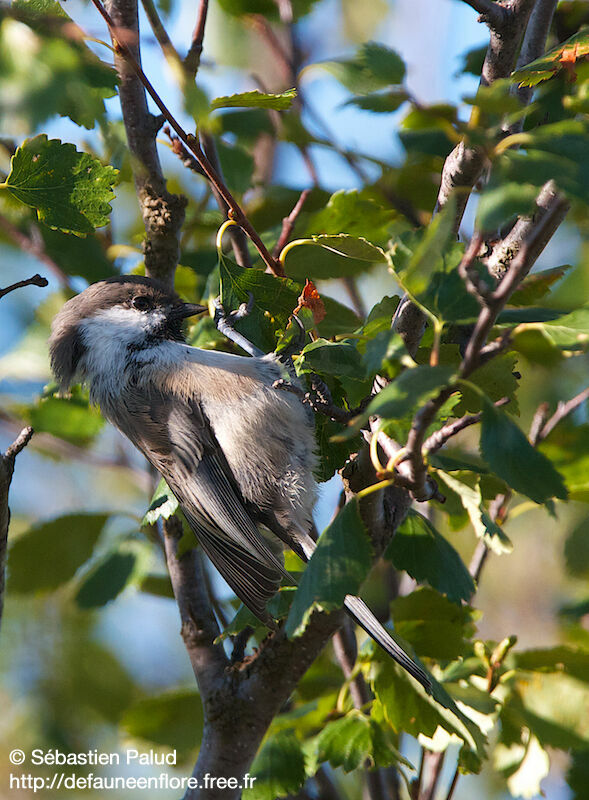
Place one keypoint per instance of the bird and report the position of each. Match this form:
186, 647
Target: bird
236, 451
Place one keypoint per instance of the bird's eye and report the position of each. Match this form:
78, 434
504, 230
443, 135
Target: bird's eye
141, 302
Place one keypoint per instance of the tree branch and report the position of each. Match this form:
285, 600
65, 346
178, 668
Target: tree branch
199, 627
548, 201
127, 56
192, 60
288, 223
7, 460
494, 14
162, 212
36, 280
563, 410
534, 44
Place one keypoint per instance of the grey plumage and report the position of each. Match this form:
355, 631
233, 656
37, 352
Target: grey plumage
237, 453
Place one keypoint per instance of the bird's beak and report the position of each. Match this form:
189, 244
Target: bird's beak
184, 310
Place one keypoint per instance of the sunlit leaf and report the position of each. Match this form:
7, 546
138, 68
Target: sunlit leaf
256, 99
70, 190
338, 567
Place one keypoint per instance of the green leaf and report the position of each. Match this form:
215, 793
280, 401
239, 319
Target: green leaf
279, 769
496, 379
380, 102
468, 489
578, 774
157, 585
49, 554
524, 766
537, 286
70, 190
576, 550
567, 447
355, 739
323, 257
341, 359
338, 567
274, 301
70, 419
163, 504
44, 70
510, 455
554, 707
384, 352
237, 166
256, 99
435, 626
554, 61
334, 446
173, 719
83, 257
408, 708
107, 580
412, 388
373, 67
354, 213
499, 204
426, 555
560, 658
418, 261
570, 331
238, 8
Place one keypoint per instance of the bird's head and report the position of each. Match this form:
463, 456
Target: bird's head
112, 317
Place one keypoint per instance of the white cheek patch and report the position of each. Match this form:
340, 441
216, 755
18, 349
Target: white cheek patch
109, 333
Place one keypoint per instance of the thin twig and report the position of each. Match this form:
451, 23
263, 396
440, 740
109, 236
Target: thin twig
161, 33
563, 410
440, 437
453, 784
288, 223
36, 280
192, 145
192, 60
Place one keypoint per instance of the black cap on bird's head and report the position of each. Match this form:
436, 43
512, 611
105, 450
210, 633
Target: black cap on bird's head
155, 311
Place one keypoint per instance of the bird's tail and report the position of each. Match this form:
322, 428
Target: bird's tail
364, 617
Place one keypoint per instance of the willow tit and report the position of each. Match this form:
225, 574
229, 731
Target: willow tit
237, 453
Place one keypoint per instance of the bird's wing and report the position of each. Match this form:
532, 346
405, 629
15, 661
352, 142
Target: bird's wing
176, 436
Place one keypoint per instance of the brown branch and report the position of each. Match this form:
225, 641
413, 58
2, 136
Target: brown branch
126, 55
238, 237
538, 233
503, 254
160, 32
162, 212
288, 223
36, 280
563, 410
199, 627
440, 437
494, 14
534, 44
7, 460
434, 763
192, 60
